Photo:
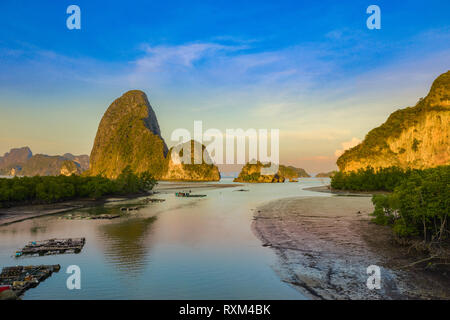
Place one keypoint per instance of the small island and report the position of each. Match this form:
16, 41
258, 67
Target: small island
251, 173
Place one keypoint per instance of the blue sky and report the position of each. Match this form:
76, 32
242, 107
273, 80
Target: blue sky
311, 69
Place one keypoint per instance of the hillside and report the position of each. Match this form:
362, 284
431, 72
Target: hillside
414, 137
22, 162
299, 172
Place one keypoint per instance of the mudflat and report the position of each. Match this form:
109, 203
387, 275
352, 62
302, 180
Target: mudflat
326, 244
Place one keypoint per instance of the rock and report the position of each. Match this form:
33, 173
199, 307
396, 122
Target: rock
81, 160
416, 137
129, 134
199, 168
251, 173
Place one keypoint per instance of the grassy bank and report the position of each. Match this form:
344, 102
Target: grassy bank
52, 189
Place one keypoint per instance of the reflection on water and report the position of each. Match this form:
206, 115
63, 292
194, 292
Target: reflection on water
183, 248
35, 230
125, 244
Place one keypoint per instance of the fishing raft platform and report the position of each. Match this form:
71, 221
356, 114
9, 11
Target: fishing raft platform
52, 246
19, 279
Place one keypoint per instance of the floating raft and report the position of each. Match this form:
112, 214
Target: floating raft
91, 217
148, 200
22, 278
188, 195
52, 246
129, 208
105, 217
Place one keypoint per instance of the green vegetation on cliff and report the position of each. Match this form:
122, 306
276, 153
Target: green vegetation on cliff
49, 189
414, 137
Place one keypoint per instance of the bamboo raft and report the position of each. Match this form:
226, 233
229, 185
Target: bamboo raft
129, 208
105, 217
22, 278
52, 246
148, 200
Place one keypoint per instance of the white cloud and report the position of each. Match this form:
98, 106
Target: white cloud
347, 145
186, 55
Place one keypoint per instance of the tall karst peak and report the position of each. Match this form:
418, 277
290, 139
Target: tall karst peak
128, 134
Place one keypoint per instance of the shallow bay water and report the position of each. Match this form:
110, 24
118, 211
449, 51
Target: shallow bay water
183, 248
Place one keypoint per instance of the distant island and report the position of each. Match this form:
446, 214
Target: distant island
296, 172
251, 173
326, 174
22, 162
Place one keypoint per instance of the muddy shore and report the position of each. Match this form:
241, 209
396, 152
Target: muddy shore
21, 213
325, 245
328, 189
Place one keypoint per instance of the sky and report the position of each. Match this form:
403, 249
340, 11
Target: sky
311, 69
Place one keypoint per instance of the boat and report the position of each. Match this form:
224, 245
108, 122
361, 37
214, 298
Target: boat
189, 195
4, 288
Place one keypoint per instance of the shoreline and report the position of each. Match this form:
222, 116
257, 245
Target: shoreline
25, 212
327, 189
325, 244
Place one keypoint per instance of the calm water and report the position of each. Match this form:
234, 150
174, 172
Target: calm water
183, 248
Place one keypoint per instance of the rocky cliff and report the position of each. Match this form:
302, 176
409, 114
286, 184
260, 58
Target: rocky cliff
129, 135
198, 168
415, 137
